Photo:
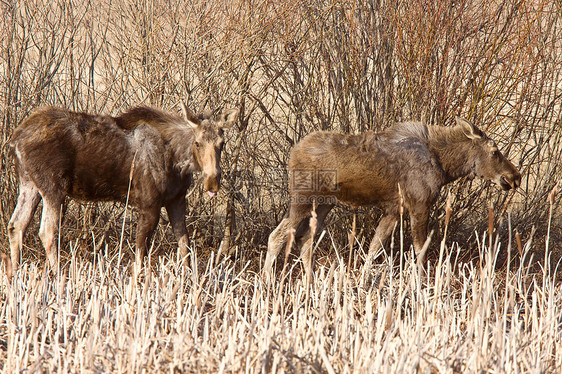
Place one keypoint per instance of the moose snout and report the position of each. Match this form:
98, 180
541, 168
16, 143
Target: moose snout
211, 183
517, 181
510, 180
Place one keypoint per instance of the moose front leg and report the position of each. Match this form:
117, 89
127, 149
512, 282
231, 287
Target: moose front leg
382, 233
148, 220
176, 209
419, 219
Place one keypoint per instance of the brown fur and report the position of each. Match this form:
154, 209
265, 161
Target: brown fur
367, 169
61, 153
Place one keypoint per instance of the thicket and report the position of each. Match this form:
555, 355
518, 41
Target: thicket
293, 67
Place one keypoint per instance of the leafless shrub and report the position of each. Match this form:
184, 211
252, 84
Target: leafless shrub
294, 67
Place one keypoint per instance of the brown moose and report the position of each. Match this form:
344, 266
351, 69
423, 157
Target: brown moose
144, 154
370, 168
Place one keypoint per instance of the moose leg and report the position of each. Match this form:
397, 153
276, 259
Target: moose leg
419, 219
26, 205
148, 220
382, 233
50, 218
307, 250
275, 243
278, 237
176, 213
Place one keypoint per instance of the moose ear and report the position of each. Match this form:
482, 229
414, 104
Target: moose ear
228, 117
471, 131
191, 118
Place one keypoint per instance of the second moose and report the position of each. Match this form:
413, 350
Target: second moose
411, 160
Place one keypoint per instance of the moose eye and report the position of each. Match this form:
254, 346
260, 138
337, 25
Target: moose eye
196, 144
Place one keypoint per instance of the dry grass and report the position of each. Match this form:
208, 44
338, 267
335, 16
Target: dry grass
95, 316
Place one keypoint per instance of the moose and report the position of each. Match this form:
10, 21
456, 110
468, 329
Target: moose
408, 162
144, 156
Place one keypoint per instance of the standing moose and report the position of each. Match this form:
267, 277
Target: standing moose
145, 154
409, 159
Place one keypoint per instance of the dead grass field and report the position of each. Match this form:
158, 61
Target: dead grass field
95, 316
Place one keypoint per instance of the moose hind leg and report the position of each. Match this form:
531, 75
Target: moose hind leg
50, 218
278, 237
26, 205
275, 243
307, 250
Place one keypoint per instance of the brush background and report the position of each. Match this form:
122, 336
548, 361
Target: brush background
294, 67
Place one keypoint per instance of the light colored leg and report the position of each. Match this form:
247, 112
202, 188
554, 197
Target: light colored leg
50, 219
298, 221
275, 243
182, 246
307, 250
28, 200
382, 233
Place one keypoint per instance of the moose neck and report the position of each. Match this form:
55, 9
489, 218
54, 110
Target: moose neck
179, 144
452, 148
